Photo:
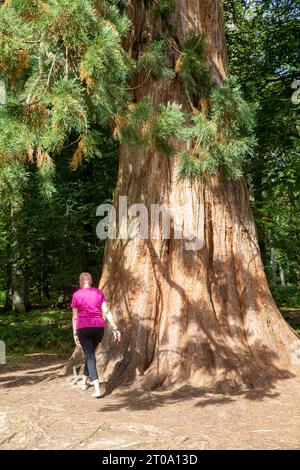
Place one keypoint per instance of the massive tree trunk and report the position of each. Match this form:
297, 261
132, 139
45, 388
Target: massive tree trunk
189, 316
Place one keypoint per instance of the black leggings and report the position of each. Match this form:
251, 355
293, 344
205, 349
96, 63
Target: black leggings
89, 339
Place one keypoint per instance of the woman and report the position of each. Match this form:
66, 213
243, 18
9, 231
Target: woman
88, 305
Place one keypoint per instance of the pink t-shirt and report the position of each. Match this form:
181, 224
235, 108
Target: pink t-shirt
89, 301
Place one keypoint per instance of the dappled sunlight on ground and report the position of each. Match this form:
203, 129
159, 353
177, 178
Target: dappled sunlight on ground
40, 411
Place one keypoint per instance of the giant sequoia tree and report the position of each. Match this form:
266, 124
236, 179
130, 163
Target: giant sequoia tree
197, 316
189, 316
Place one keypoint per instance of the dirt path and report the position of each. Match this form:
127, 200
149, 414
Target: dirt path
39, 412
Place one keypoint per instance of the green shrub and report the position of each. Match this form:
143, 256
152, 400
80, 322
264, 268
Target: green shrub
37, 331
2, 297
286, 296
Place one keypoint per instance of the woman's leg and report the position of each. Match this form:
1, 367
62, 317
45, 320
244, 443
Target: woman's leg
85, 371
97, 338
85, 376
85, 337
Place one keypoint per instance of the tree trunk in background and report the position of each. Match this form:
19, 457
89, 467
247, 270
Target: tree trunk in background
273, 267
43, 287
18, 273
282, 276
189, 317
8, 302
8, 292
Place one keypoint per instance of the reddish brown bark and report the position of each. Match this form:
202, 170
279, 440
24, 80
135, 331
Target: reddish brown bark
197, 317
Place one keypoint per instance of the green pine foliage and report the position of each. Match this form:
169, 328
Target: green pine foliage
223, 138
68, 107
168, 125
135, 127
153, 60
13, 180
65, 73
219, 139
192, 67
143, 128
232, 114
161, 9
189, 167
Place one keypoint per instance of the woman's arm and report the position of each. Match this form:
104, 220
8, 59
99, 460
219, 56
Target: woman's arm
74, 319
107, 313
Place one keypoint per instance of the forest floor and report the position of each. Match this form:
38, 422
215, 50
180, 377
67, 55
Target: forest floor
39, 410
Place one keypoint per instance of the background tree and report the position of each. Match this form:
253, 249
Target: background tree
264, 55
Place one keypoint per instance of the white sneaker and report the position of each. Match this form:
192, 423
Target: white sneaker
96, 395
84, 387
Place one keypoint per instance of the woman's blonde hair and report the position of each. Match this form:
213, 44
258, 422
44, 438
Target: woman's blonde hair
85, 277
